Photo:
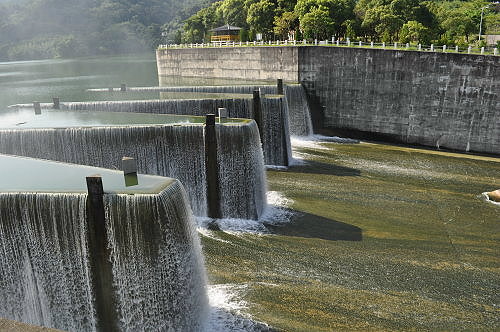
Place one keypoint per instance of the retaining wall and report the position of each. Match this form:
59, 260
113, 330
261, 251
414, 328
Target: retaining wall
435, 99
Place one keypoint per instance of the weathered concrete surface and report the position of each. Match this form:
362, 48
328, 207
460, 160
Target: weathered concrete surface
251, 63
12, 326
433, 99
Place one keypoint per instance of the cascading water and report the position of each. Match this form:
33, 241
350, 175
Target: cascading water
276, 137
44, 272
276, 143
157, 265
158, 273
300, 117
168, 150
238, 164
298, 110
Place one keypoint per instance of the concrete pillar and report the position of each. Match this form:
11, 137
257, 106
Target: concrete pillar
371, 44
129, 165
279, 85
223, 114
338, 42
407, 45
360, 43
257, 112
101, 274
56, 103
432, 47
469, 50
395, 45
37, 107
123, 87
495, 51
419, 47
383, 44
333, 39
212, 169
482, 50
304, 42
456, 49
315, 42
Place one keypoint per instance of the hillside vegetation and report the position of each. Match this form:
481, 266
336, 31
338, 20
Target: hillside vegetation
66, 28
440, 22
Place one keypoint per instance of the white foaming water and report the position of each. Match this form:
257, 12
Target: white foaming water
275, 213
227, 310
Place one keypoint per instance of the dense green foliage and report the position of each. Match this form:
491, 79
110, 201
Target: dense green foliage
441, 22
68, 28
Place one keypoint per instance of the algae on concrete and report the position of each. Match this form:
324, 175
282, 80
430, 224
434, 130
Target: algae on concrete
384, 238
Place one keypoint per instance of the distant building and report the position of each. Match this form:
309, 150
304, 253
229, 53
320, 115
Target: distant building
225, 33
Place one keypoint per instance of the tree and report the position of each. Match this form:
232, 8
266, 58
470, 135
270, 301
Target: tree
260, 16
233, 12
413, 31
286, 23
383, 22
317, 24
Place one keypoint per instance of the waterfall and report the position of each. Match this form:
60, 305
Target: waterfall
275, 125
44, 271
241, 167
175, 151
157, 265
298, 108
276, 137
158, 273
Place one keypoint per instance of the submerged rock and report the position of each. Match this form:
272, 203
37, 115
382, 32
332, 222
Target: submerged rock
494, 195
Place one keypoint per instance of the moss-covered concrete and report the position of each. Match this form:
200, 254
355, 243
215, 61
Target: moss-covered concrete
385, 238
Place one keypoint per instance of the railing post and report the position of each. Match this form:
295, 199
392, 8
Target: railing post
37, 107
407, 45
495, 51
395, 46
456, 49
444, 48
56, 102
338, 42
432, 47
99, 253
420, 47
482, 50
123, 87
279, 86
371, 44
212, 169
383, 45
469, 50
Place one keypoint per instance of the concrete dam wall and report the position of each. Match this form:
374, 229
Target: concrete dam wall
433, 99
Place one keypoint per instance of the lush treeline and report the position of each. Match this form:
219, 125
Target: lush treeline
439, 22
67, 28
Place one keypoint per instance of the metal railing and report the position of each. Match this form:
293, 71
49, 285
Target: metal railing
342, 43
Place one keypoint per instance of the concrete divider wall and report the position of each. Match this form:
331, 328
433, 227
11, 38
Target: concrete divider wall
434, 99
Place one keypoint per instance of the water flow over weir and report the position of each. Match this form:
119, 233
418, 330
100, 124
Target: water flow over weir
158, 275
300, 118
168, 150
275, 127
